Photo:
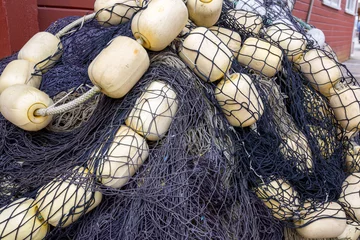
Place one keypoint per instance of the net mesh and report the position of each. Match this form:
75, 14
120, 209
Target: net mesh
230, 134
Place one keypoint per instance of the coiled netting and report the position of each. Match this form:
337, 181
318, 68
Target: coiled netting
256, 145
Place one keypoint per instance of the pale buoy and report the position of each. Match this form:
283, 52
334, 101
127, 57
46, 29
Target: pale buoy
321, 71
251, 22
230, 38
251, 6
119, 67
42, 49
324, 141
64, 200
206, 54
352, 160
20, 220
154, 111
114, 12
18, 104
344, 133
124, 157
239, 100
20, 72
345, 104
317, 36
159, 23
297, 144
350, 196
261, 56
351, 231
327, 49
285, 21
280, 197
315, 105
293, 42
204, 13
326, 221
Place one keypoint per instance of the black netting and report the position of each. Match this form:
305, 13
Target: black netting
235, 131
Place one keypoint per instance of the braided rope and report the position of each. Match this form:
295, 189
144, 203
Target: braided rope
52, 110
79, 21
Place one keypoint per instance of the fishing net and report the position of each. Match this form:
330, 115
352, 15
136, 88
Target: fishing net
184, 189
298, 146
242, 139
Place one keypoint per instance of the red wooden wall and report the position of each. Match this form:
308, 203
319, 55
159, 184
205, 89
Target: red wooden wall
18, 23
51, 10
21, 19
337, 25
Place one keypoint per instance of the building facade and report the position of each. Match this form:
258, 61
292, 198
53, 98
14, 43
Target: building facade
335, 18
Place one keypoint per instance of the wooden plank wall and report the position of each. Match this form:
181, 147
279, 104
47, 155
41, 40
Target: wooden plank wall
18, 23
50, 10
337, 25
5, 44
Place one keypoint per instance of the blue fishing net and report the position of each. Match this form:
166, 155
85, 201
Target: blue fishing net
205, 179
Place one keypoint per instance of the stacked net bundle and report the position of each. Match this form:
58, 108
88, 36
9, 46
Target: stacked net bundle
251, 128
63, 77
320, 126
298, 146
186, 188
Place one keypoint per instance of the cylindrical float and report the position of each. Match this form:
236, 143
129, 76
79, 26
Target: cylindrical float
351, 232
291, 41
119, 67
206, 54
325, 141
350, 196
18, 104
328, 220
346, 107
261, 56
124, 157
20, 72
353, 160
280, 197
296, 147
204, 13
114, 12
43, 49
317, 37
250, 22
239, 100
65, 199
251, 6
321, 71
154, 111
230, 38
159, 23
20, 220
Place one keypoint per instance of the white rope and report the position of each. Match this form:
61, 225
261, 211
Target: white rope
52, 110
77, 22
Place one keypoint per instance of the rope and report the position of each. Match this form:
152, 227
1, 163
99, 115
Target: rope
76, 117
52, 110
79, 21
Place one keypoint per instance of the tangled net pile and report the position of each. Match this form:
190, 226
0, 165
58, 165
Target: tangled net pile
287, 161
